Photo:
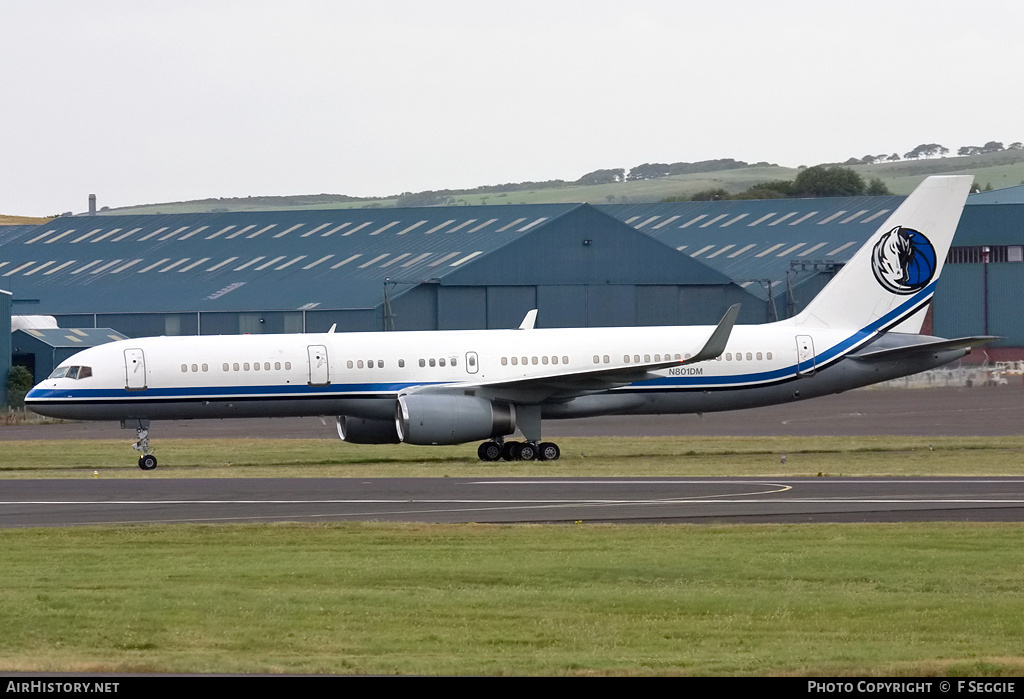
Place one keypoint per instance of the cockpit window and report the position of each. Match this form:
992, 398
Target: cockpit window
71, 372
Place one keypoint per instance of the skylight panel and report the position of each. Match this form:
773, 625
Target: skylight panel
360, 227
336, 229
378, 258
152, 266
463, 225
157, 232
109, 233
734, 220
667, 221
770, 250
444, 259
221, 264
803, 218
86, 235
393, 260
856, 215
198, 262
289, 263
225, 229
790, 250
88, 266
531, 225
270, 262
724, 248
260, 231
126, 265
174, 233
40, 268
831, 218
250, 263
777, 221
55, 269
510, 225
103, 268
315, 230
702, 250
286, 231
742, 250
714, 220
875, 215
58, 237
467, 258
410, 228
483, 225
189, 235
40, 236
649, 220
811, 249
841, 248
435, 229
385, 227
416, 259
240, 231
693, 221
311, 265
19, 268
123, 236
346, 260
762, 219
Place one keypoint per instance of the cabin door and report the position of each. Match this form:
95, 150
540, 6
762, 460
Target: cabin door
319, 374
134, 370
804, 355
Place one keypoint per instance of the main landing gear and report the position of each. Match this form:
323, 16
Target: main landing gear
147, 462
495, 450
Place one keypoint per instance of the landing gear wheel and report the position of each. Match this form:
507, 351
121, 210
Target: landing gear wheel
549, 451
510, 451
528, 451
489, 451
147, 462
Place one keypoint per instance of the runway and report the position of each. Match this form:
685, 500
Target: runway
940, 411
58, 503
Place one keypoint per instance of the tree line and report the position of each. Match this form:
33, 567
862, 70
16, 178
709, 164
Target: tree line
817, 181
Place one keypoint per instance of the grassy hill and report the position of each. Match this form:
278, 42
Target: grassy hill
22, 220
998, 170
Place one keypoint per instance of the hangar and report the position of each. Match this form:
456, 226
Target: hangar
486, 266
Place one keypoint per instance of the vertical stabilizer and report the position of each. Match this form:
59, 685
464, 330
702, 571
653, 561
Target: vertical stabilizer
891, 279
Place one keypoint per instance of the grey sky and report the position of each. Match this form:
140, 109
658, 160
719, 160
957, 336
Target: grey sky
143, 102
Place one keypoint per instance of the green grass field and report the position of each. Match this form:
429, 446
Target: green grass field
929, 599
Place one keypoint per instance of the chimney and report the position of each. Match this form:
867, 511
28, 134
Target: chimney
92, 204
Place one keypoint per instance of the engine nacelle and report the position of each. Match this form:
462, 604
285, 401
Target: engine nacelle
358, 430
451, 419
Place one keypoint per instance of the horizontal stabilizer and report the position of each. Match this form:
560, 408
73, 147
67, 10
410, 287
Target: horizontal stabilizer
894, 353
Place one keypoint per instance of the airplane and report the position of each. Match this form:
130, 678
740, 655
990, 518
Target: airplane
453, 387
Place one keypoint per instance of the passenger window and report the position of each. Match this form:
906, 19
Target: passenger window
515, 361
287, 365
226, 367
544, 360
433, 362
277, 366
769, 355
606, 359
453, 361
349, 364
504, 361
441, 361
245, 366
256, 366
759, 356
236, 366
423, 362
266, 366
184, 368
359, 364
401, 363
565, 360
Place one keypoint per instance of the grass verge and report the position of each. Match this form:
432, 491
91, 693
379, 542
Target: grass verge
653, 456
912, 600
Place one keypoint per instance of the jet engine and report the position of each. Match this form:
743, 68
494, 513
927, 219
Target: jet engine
358, 430
438, 418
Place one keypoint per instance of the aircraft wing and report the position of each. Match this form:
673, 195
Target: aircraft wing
896, 353
557, 386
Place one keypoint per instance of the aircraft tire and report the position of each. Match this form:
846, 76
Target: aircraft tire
549, 451
147, 462
510, 451
528, 451
489, 451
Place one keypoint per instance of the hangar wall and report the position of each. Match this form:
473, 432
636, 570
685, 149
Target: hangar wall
5, 343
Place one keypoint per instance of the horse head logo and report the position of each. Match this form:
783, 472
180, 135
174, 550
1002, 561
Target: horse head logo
903, 261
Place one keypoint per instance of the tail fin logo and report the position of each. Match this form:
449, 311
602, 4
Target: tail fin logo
903, 261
